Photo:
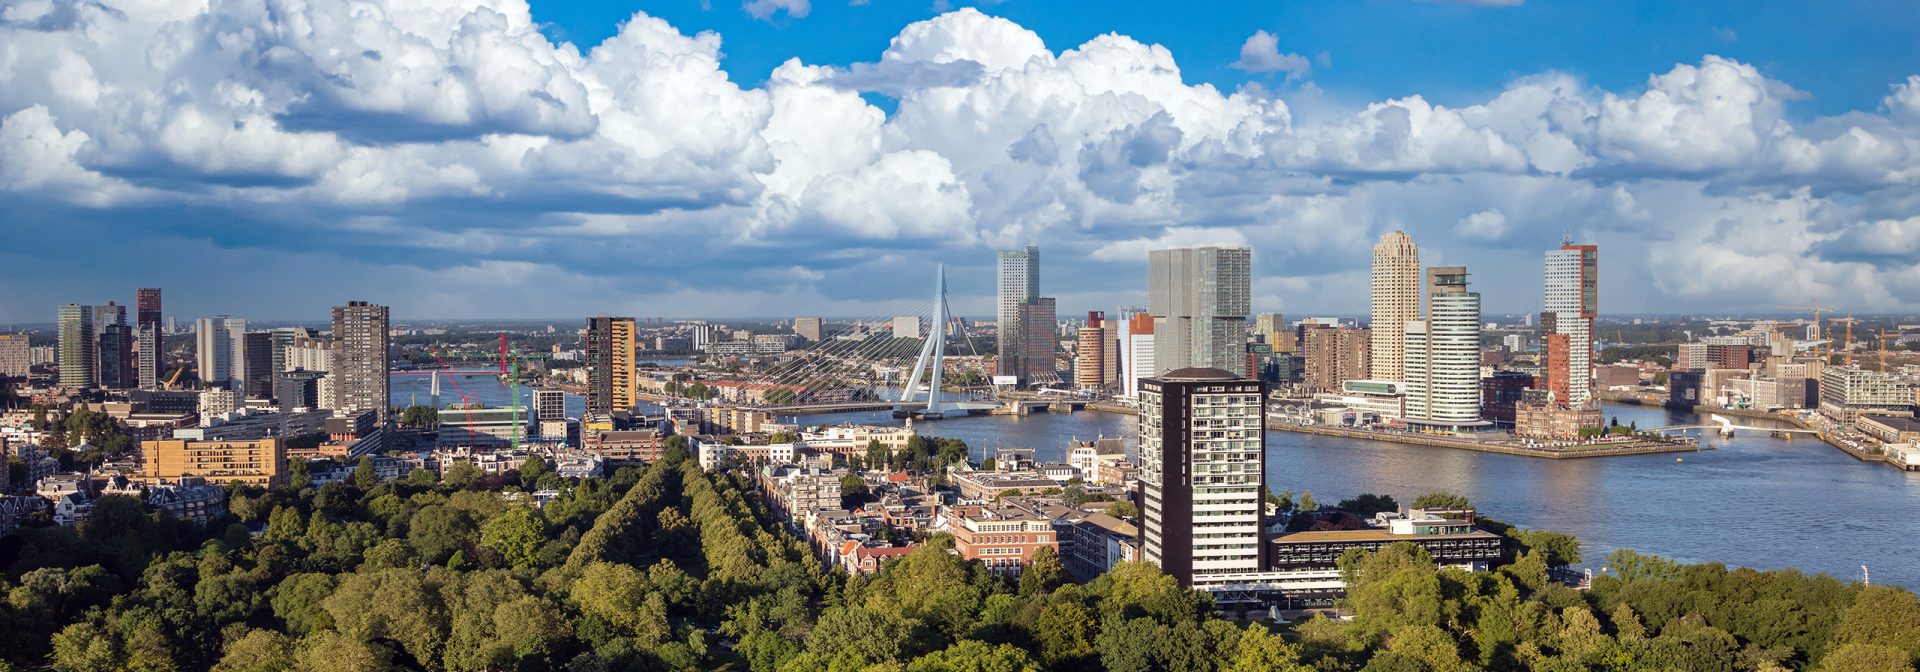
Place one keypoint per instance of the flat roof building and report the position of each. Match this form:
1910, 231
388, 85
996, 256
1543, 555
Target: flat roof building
261, 462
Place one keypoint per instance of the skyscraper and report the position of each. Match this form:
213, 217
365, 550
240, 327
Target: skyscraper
1038, 340
1202, 464
1090, 354
77, 343
116, 363
1200, 298
1573, 298
610, 374
1333, 355
1443, 353
16, 356
1137, 343
147, 368
236, 330
146, 304
1396, 301
360, 359
213, 350
257, 365
1019, 286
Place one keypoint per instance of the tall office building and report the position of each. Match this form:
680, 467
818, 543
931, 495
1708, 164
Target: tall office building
1396, 301
610, 374
283, 339
1038, 342
213, 350
1110, 353
809, 328
1200, 298
117, 370
1573, 301
1202, 464
1443, 353
257, 370
1137, 343
77, 343
549, 405
1019, 288
146, 304
148, 360
16, 356
237, 356
1090, 353
359, 373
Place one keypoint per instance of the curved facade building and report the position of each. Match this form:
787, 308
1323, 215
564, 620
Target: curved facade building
1443, 353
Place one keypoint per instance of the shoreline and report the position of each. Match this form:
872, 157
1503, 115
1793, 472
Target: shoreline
1703, 410
1635, 448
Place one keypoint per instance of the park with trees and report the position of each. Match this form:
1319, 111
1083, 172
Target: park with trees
670, 567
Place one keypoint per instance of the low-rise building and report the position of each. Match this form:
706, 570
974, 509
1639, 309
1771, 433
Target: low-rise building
1003, 537
1539, 418
990, 485
627, 446
262, 462
1452, 542
1086, 457
1092, 544
1890, 428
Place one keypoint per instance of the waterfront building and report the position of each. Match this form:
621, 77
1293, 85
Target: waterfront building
1572, 303
1847, 392
549, 405
1137, 343
1090, 354
1039, 343
1500, 393
1538, 416
1450, 537
1202, 465
1396, 301
260, 462
359, 375
1443, 354
809, 328
1890, 428
610, 365
482, 427
1200, 298
1365, 402
1019, 285
16, 356
1333, 355
77, 343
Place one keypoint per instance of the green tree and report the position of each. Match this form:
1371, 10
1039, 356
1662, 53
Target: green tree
1043, 573
532, 469
364, 476
1560, 549
1307, 503
970, 655
1368, 504
1123, 509
516, 535
257, 651
877, 454
437, 531
1442, 500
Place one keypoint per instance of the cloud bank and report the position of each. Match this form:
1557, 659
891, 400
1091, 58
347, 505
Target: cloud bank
398, 142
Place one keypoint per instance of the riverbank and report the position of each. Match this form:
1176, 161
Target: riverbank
1549, 452
1641, 447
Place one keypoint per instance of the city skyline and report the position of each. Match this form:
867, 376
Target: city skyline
1721, 155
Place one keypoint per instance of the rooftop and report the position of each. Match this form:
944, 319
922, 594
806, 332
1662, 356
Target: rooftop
1196, 373
1369, 535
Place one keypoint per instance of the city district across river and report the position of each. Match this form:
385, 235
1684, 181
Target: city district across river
1753, 500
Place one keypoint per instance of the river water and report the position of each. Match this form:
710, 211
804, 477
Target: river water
1752, 501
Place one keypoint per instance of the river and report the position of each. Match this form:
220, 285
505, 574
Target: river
1752, 501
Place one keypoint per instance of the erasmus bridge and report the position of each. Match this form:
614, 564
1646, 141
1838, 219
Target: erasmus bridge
858, 365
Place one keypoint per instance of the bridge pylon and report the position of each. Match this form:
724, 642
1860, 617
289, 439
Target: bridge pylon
932, 359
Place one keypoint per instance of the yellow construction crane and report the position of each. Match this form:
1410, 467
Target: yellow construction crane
1826, 348
1846, 348
1883, 347
175, 377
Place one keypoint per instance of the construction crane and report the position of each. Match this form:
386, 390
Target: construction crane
1846, 348
1826, 348
1883, 347
175, 377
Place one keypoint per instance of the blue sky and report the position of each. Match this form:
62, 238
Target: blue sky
491, 158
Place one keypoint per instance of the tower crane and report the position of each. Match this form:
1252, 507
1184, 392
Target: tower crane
1826, 349
1847, 347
